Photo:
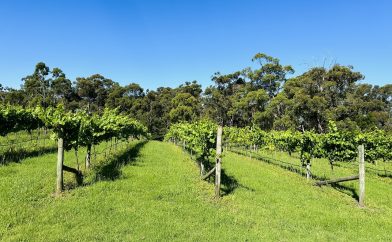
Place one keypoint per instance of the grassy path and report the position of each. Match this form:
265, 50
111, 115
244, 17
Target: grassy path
159, 196
293, 209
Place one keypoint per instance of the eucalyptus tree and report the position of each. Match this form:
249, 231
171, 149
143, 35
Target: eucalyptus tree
248, 106
94, 90
270, 76
317, 96
61, 86
217, 101
37, 85
185, 108
124, 97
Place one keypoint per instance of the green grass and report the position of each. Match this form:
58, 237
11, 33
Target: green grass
321, 168
20, 145
300, 211
153, 192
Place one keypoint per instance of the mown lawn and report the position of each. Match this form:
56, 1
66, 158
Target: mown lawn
297, 210
153, 192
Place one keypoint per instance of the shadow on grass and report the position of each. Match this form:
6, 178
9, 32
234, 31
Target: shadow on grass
18, 155
385, 175
381, 173
346, 190
297, 169
228, 183
112, 170
78, 175
284, 165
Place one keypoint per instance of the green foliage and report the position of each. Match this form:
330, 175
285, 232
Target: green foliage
200, 137
14, 119
286, 140
77, 129
263, 96
245, 136
160, 196
63, 124
336, 145
307, 146
339, 145
378, 145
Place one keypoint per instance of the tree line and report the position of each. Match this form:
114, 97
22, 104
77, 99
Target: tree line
265, 97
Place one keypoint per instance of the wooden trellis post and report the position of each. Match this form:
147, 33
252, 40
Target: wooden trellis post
61, 168
360, 177
308, 172
88, 157
60, 161
361, 159
218, 162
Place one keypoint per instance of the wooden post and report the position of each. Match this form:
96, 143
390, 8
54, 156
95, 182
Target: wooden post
361, 158
88, 157
95, 154
208, 174
218, 162
308, 173
77, 159
337, 180
202, 169
60, 161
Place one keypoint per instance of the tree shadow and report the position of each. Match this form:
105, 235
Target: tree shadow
112, 170
18, 155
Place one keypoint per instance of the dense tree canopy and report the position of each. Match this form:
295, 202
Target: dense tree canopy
265, 97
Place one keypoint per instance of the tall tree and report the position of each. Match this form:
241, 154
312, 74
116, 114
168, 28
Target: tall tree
125, 97
61, 86
37, 85
94, 90
217, 102
185, 108
319, 95
270, 76
186, 103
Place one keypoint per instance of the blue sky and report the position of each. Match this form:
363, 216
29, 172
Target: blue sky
165, 43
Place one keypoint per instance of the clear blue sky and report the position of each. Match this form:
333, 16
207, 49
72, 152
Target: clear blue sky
165, 43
